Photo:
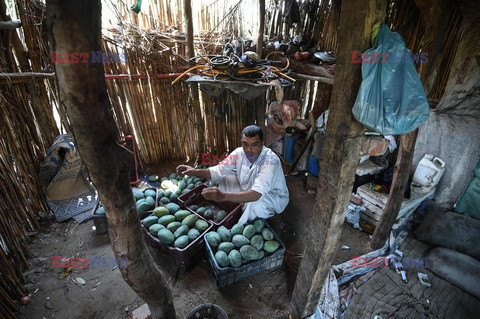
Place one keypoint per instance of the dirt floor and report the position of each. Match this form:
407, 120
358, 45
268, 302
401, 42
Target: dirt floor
106, 295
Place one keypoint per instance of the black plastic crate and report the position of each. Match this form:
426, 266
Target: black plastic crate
186, 257
228, 275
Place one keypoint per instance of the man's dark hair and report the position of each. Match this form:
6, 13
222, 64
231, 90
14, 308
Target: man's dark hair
252, 131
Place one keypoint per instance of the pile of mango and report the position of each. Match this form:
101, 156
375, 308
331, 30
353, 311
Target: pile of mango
208, 213
241, 245
174, 226
176, 185
144, 200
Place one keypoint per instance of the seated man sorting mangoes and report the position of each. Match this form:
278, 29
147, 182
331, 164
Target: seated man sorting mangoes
251, 174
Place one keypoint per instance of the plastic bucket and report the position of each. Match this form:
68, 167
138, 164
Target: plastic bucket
208, 311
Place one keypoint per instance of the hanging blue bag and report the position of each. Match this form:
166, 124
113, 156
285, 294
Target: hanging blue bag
391, 99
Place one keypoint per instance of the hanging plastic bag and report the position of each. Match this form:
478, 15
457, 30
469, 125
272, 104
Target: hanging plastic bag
391, 99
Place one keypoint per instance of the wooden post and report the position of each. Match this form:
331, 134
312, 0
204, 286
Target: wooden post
340, 156
261, 27
397, 190
194, 95
74, 26
435, 13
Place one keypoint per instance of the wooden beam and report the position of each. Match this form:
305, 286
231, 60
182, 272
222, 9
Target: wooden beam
305, 68
312, 78
344, 137
261, 27
194, 92
19, 77
397, 190
435, 13
187, 16
10, 25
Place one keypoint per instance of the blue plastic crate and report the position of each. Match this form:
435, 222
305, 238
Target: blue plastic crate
227, 275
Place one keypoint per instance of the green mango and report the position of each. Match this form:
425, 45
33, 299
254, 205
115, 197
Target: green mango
182, 230
213, 238
235, 258
165, 236
150, 192
201, 225
226, 247
237, 229
249, 252
257, 242
221, 214
181, 242
173, 226
240, 240
224, 233
160, 211
259, 224
267, 234
271, 246
153, 229
249, 231
167, 219
149, 221
181, 214
193, 234
222, 259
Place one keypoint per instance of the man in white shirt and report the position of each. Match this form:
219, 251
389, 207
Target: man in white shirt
251, 174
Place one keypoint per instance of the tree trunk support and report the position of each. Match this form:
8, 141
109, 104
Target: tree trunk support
194, 92
340, 156
261, 27
74, 26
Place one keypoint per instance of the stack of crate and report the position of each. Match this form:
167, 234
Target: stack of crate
374, 203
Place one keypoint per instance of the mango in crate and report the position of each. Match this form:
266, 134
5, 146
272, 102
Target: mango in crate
160, 211
181, 242
235, 258
155, 228
249, 252
173, 226
271, 246
213, 238
222, 259
226, 247
165, 236
149, 221
201, 225
190, 220
240, 240
193, 234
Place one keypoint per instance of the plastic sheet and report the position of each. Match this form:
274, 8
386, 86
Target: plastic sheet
391, 99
